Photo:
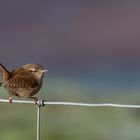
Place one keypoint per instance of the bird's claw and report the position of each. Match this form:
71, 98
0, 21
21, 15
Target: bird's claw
36, 102
10, 99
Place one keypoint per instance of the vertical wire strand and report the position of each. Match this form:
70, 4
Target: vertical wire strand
39, 104
38, 123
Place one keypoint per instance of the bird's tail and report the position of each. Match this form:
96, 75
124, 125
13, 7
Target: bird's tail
4, 73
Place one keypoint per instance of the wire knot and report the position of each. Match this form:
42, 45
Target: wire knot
40, 103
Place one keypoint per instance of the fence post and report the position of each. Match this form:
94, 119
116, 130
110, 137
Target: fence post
40, 103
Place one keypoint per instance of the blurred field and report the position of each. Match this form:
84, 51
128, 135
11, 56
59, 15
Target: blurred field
91, 49
71, 123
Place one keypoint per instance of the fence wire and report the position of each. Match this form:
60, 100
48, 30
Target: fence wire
41, 103
93, 105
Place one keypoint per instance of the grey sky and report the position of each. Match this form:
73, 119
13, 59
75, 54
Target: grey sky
70, 34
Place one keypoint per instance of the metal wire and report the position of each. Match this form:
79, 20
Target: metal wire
41, 103
73, 104
17, 101
38, 123
93, 105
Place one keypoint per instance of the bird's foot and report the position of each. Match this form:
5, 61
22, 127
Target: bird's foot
35, 100
1, 82
10, 99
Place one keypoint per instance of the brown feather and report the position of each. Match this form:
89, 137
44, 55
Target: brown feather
24, 81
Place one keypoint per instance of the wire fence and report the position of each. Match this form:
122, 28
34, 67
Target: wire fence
41, 103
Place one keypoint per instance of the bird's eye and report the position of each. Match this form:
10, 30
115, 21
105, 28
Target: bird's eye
33, 70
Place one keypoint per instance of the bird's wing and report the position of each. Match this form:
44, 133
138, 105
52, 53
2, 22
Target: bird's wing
4, 73
21, 81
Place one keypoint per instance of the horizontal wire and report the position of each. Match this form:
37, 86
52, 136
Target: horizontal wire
17, 101
74, 104
93, 105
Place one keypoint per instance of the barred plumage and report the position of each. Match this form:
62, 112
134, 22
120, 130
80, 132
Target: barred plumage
24, 81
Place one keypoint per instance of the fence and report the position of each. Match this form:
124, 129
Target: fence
42, 103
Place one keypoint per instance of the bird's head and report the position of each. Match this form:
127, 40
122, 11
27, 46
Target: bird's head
36, 70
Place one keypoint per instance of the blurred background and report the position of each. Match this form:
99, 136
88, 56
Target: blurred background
92, 52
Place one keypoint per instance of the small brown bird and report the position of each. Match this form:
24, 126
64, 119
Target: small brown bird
24, 81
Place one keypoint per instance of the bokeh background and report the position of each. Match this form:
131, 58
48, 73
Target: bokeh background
92, 51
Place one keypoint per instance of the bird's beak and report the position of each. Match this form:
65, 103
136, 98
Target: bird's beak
44, 71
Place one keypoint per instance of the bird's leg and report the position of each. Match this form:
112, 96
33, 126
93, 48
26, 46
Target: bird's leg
10, 99
1, 83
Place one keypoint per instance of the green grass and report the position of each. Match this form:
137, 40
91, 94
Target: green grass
18, 122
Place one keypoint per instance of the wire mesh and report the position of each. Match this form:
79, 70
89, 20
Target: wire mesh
41, 103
